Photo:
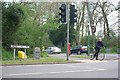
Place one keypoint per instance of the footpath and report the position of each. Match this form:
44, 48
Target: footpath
108, 57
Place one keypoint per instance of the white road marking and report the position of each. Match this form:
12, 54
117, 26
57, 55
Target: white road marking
72, 66
92, 68
60, 64
22, 74
91, 61
101, 69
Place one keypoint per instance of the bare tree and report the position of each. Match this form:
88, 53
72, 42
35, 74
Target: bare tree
102, 6
79, 24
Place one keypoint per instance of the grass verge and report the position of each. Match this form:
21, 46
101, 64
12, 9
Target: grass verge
33, 61
80, 56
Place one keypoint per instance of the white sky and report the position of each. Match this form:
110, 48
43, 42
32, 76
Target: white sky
113, 1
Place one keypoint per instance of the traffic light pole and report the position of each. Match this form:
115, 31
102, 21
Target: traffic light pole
88, 29
67, 19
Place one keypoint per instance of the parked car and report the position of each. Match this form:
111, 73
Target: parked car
52, 50
79, 50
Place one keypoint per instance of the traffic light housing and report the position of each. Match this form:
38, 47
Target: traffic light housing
93, 29
73, 14
62, 13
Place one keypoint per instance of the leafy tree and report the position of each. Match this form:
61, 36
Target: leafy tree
11, 19
31, 33
59, 36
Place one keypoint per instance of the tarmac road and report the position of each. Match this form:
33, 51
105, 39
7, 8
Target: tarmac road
103, 69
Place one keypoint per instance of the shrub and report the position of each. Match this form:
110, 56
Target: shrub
114, 50
44, 54
29, 55
6, 55
64, 49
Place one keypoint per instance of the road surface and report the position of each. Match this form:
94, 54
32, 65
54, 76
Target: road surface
103, 69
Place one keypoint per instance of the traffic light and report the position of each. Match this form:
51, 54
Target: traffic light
93, 29
73, 14
62, 13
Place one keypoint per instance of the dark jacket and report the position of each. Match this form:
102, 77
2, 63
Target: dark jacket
99, 44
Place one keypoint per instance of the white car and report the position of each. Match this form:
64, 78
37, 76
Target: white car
52, 50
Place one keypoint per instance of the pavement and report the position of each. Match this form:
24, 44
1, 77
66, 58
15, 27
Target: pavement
108, 57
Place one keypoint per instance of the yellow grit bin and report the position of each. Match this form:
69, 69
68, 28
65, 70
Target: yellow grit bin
22, 55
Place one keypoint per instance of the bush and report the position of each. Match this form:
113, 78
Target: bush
114, 50
64, 49
6, 55
111, 50
44, 54
29, 55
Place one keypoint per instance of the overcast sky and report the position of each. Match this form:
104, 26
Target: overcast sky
113, 1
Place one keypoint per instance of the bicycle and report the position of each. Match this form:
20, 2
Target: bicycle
101, 55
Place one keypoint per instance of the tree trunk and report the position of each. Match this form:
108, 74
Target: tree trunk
79, 26
105, 19
92, 15
104, 30
82, 31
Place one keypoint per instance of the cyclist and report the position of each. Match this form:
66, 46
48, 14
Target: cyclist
99, 45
